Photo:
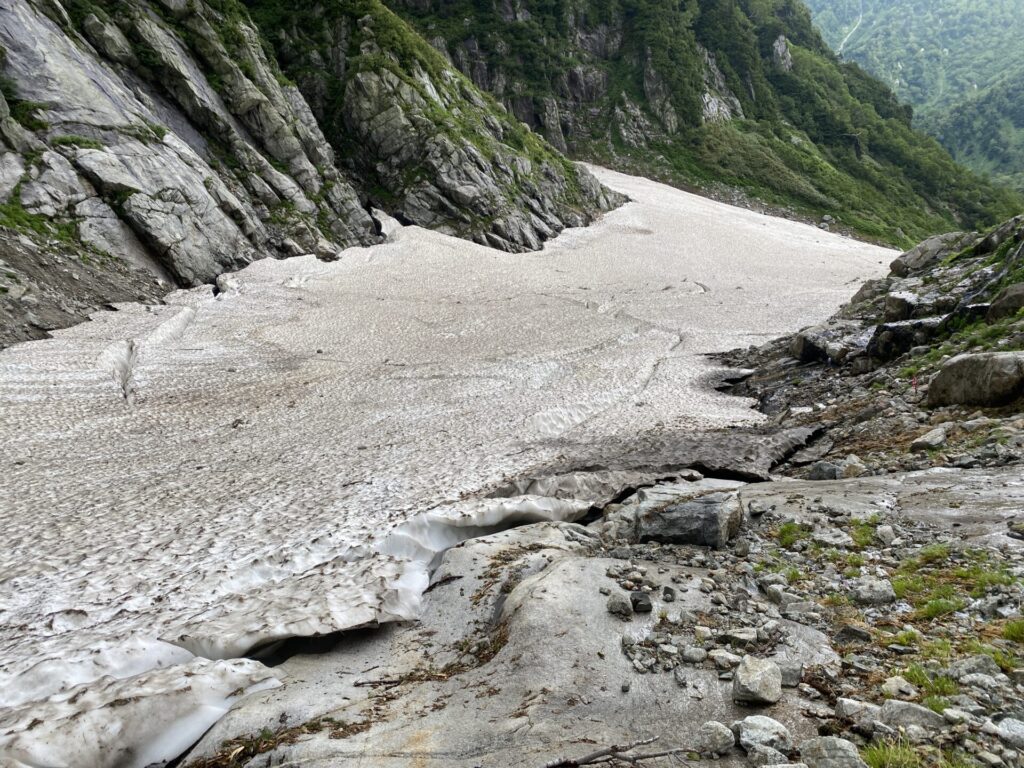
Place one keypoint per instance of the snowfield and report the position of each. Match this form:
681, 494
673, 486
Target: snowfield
182, 484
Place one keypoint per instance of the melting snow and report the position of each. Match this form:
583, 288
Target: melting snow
192, 481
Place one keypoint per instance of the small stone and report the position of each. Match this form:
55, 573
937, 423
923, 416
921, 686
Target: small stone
714, 738
849, 634
869, 590
987, 758
626, 686
792, 673
757, 681
898, 688
885, 534
758, 730
620, 606
668, 594
981, 664
759, 755
641, 602
694, 655
702, 634
723, 659
851, 709
740, 638
830, 752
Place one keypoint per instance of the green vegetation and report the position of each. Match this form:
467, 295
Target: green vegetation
790, 533
823, 137
13, 216
959, 63
71, 140
935, 581
891, 754
1014, 631
930, 685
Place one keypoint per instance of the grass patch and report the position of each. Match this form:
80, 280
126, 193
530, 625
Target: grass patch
1006, 660
891, 754
72, 140
938, 607
790, 533
937, 704
1014, 631
863, 532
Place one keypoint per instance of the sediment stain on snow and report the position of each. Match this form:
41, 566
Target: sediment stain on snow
277, 433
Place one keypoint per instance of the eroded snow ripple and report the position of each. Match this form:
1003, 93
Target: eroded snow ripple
286, 458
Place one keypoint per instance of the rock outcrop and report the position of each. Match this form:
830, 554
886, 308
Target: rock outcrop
707, 94
162, 139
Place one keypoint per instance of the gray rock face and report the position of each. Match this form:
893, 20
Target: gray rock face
178, 147
830, 752
757, 681
710, 520
988, 379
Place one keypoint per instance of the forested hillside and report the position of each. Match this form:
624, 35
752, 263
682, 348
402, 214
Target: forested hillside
959, 63
987, 131
704, 92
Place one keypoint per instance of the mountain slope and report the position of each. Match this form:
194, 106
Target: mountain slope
959, 63
986, 132
743, 92
932, 53
158, 141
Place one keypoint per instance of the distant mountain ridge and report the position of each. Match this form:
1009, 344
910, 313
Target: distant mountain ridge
959, 63
740, 92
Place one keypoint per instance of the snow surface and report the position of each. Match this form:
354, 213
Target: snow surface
288, 457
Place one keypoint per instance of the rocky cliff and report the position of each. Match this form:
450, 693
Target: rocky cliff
709, 92
922, 368
146, 145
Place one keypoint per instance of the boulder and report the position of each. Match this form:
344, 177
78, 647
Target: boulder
900, 305
986, 379
758, 730
981, 664
1012, 732
757, 681
901, 714
1007, 303
710, 520
714, 738
890, 340
926, 253
929, 441
830, 752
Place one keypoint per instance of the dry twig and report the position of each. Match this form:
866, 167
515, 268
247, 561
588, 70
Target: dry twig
615, 752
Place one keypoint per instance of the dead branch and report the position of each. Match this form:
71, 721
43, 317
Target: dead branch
618, 752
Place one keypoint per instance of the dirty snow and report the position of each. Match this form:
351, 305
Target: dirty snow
213, 475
